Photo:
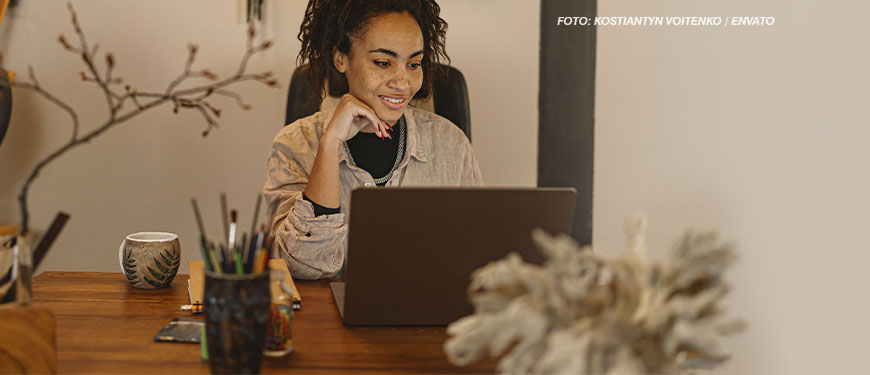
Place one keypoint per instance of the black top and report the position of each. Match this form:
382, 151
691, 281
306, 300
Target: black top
371, 153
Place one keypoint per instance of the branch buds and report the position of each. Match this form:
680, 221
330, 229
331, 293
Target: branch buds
208, 74
110, 60
193, 48
65, 44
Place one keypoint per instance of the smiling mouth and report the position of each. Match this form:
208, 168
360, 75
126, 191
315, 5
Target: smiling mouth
393, 102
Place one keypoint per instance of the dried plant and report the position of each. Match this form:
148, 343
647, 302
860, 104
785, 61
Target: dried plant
583, 312
125, 101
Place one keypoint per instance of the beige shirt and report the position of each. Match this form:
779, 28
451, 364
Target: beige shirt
437, 153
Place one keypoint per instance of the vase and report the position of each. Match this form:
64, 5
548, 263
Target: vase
16, 267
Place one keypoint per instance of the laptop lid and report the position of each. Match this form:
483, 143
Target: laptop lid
411, 250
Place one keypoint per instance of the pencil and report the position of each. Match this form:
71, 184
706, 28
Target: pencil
261, 260
255, 244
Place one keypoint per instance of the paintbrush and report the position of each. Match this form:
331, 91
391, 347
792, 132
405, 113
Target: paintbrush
224, 214
213, 257
227, 261
202, 241
231, 244
254, 221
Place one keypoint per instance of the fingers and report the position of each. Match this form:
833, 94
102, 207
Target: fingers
386, 129
382, 129
361, 110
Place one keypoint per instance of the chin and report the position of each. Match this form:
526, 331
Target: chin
391, 117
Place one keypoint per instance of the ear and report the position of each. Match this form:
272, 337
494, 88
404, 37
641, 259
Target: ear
339, 60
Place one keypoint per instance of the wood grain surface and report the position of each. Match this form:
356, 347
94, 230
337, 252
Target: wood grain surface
27, 341
104, 325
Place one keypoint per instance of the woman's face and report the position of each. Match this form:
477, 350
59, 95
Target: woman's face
383, 68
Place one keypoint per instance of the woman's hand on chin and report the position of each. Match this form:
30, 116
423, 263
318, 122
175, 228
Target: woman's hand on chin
351, 116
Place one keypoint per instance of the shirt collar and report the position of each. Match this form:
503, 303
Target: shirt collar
412, 140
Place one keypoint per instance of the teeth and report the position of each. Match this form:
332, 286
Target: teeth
391, 100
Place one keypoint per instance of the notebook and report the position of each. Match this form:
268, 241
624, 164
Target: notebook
196, 283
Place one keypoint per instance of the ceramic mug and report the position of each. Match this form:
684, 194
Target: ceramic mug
149, 260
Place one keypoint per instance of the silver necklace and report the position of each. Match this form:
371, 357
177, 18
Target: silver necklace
399, 154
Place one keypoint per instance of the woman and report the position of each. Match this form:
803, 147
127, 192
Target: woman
386, 50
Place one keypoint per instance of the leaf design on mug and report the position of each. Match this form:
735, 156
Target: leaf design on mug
129, 266
166, 267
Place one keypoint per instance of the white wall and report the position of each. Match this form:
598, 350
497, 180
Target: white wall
762, 133
140, 176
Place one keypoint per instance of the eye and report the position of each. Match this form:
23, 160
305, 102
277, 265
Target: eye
381, 63
414, 66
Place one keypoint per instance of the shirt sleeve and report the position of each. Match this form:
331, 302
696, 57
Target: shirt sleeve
312, 246
470, 170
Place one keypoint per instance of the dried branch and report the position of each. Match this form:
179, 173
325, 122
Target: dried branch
189, 98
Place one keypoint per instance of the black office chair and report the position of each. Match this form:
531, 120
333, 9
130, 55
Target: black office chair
449, 97
5, 103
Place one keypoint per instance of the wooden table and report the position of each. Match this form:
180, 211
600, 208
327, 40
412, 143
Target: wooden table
104, 325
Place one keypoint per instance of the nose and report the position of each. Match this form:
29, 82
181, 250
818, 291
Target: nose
399, 80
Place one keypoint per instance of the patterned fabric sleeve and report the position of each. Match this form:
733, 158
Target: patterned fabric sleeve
312, 246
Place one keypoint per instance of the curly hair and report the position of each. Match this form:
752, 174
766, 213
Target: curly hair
330, 24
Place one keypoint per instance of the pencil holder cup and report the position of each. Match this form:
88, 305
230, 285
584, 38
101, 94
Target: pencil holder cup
149, 260
236, 309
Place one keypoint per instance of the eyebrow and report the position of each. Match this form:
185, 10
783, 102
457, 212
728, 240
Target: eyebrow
393, 54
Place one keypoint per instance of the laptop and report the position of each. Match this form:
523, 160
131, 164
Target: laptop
411, 251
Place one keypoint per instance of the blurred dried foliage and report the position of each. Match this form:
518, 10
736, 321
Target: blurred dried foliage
583, 312
125, 101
